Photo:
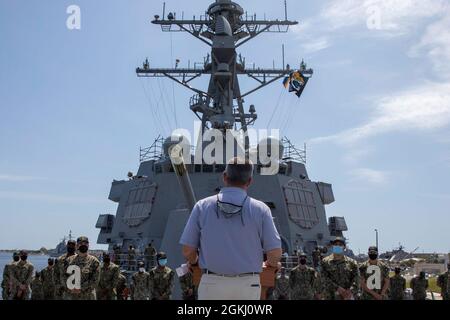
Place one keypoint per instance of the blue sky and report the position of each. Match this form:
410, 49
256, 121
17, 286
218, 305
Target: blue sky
376, 115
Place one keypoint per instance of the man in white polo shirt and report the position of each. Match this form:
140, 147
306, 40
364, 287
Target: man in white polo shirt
227, 235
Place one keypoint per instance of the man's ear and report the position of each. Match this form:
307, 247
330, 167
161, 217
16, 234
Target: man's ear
224, 177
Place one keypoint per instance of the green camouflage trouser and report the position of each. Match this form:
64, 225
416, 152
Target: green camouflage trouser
59, 293
84, 295
5, 293
106, 294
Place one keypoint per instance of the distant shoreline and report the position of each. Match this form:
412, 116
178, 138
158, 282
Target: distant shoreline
42, 252
30, 252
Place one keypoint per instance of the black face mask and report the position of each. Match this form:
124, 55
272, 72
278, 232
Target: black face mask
17, 258
373, 256
24, 258
50, 263
107, 260
71, 250
83, 248
302, 262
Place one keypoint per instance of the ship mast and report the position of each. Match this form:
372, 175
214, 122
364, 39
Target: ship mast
224, 28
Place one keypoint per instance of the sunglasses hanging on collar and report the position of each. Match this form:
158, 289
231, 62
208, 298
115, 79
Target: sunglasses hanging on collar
229, 210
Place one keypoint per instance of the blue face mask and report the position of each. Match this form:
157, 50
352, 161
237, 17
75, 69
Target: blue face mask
337, 250
162, 262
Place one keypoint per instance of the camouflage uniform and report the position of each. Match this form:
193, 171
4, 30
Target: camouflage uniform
132, 259
21, 274
317, 257
317, 263
121, 286
281, 290
117, 253
319, 288
397, 287
60, 277
443, 281
364, 275
89, 266
48, 280
6, 281
270, 293
161, 283
37, 289
140, 286
337, 273
302, 283
109, 278
187, 284
419, 287
150, 254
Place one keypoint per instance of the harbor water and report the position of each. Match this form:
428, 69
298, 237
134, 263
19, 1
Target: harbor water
39, 261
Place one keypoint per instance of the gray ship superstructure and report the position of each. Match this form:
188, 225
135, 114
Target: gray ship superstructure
61, 247
151, 204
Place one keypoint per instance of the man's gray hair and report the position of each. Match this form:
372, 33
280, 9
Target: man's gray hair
239, 171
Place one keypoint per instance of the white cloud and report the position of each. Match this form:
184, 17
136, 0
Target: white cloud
436, 45
395, 17
16, 178
343, 13
353, 156
370, 175
307, 36
373, 18
423, 108
315, 45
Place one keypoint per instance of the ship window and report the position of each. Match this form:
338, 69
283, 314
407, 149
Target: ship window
139, 203
198, 168
301, 205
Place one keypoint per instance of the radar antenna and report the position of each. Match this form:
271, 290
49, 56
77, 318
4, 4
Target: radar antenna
224, 28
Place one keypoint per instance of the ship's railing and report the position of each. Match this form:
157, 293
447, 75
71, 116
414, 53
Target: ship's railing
197, 100
293, 153
129, 262
154, 152
289, 262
